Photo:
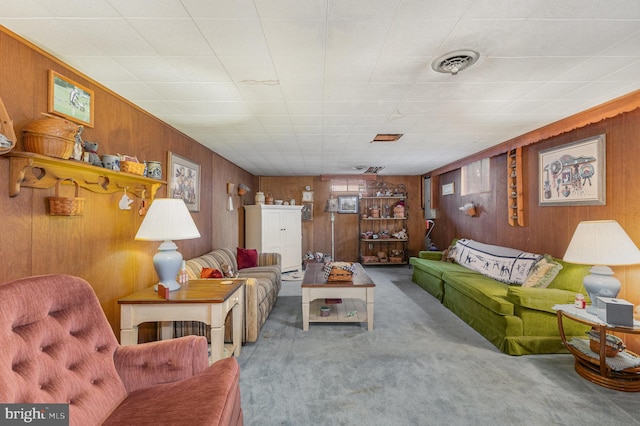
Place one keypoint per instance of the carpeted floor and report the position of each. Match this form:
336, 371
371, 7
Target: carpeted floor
421, 365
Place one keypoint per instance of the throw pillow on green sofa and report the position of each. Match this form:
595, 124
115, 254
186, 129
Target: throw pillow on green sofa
543, 273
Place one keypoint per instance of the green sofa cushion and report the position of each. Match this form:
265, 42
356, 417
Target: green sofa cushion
486, 291
437, 268
539, 299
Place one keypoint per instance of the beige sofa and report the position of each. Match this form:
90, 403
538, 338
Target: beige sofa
262, 287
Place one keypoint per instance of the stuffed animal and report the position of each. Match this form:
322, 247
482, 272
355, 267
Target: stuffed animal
92, 149
227, 270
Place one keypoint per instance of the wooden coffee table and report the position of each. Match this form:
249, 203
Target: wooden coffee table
355, 297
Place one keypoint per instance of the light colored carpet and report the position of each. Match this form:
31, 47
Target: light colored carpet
421, 365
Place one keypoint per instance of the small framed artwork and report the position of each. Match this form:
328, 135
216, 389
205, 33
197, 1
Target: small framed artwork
307, 211
70, 100
573, 174
184, 181
348, 204
448, 189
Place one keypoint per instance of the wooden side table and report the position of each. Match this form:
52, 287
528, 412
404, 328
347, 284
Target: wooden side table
595, 368
207, 301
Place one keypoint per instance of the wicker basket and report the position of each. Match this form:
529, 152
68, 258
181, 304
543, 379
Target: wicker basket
66, 206
52, 136
53, 146
132, 167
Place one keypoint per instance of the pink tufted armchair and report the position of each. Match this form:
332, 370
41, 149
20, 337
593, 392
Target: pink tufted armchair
56, 346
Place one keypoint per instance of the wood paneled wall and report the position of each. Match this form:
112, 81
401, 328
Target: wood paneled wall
316, 234
100, 246
550, 228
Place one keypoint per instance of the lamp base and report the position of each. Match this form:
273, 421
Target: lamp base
167, 262
600, 283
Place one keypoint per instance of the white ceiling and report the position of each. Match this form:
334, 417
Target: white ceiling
301, 87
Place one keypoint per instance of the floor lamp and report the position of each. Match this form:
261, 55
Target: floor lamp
332, 207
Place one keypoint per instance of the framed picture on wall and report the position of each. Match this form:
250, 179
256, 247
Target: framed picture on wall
307, 211
573, 174
70, 100
348, 204
184, 181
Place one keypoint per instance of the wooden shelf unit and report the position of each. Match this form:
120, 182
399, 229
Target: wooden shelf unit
515, 197
386, 222
40, 171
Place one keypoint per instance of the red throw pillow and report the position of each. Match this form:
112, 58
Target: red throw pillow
247, 258
210, 273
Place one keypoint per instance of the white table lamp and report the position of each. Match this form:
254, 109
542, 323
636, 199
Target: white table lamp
600, 243
167, 219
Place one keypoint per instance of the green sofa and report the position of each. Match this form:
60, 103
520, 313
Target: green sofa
517, 320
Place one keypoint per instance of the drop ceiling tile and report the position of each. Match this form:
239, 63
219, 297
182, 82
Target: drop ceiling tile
134, 91
221, 9
172, 37
310, 10
149, 8
286, 37
53, 36
260, 91
114, 37
197, 91
241, 37
291, 69
302, 91
394, 69
148, 68
249, 69
386, 92
433, 9
356, 38
346, 69
78, 8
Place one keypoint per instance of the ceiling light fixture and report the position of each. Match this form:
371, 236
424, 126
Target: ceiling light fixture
454, 62
373, 170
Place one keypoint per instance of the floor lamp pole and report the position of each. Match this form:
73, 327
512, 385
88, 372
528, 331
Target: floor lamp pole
333, 244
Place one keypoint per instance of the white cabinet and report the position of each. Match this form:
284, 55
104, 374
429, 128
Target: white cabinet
275, 229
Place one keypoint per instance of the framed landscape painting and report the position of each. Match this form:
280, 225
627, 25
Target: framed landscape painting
70, 100
573, 174
348, 204
184, 181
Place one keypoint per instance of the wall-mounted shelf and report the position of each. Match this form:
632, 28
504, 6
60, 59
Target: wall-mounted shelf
514, 179
40, 171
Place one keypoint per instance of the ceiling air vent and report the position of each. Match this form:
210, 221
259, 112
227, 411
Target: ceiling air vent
454, 62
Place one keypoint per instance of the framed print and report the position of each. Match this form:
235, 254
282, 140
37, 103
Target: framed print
348, 204
573, 174
307, 211
448, 189
70, 100
184, 181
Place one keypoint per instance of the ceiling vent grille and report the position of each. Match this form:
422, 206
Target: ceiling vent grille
454, 62
387, 137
